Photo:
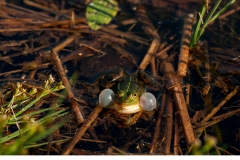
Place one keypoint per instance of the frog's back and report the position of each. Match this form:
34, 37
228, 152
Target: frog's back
130, 84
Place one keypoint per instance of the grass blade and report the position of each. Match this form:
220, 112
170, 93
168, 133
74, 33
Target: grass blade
195, 34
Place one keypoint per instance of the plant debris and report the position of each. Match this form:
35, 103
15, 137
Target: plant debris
197, 88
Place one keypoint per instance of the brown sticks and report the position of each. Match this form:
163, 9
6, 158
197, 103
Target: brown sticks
82, 130
176, 137
157, 128
168, 124
54, 11
184, 51
64, 78
147, 25
230, 95
173, 84
217, 119
150, 53
188, 91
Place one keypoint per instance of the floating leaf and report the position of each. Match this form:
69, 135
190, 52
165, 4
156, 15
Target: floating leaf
101, 12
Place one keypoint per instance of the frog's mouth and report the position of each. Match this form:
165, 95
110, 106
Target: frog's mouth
126, 109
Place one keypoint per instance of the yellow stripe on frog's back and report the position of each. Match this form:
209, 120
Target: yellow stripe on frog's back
125, 85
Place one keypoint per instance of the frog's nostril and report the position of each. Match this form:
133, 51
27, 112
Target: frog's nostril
106, 98
148, 101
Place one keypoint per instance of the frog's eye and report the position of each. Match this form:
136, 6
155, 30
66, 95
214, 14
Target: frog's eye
120, 93
134, 95
106, 98
148, 101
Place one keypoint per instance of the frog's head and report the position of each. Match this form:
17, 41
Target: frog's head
128, 92
128, 97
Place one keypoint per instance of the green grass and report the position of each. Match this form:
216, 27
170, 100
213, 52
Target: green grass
29, 130
203, 22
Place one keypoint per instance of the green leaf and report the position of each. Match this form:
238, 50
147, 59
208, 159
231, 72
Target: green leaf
101, 12
39, 122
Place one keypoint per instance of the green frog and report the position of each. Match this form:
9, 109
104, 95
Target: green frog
125, 95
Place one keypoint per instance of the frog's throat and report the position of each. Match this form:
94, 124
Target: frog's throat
127, 109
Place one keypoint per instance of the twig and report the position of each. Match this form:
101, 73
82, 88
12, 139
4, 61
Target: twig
169, 124
165, 49
223, 16
155, 62
123, 23
207, 64
29, 51
57, 12
15, 118
176, 137
120, 151
217, 150
184, 51
10, 72
12, 43
226, 115
16, 13
153, 66
223, 150
94, 135
85, 152
147, 25
45, 65
32, 73
85, 140
157, 128
174, 84
17, 21
82, 50
116, 40
38, 24
150, 53
215, 109
64, 78
207, 75
93, 49
124, 35
217, 119
92, 140
49, 145
188, 90
168, 70
150, 30
42, 29
56, 23
30, 11
82, 130
235, 148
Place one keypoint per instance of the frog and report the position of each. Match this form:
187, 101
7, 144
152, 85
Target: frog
125, 96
